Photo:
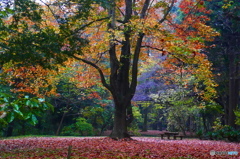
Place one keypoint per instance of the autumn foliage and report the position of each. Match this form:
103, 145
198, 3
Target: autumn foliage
32, 80
184, 44
113, 38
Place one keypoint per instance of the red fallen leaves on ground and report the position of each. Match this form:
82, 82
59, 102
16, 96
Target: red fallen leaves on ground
147, 133
102, 147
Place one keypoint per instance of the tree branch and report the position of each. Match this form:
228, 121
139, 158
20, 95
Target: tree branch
137, 51
144, 9
128, 10
135, 65
103, 80
114, 63
48, 6
100, 56
168, 11
78, 29
120, 11
154, 48
86, 25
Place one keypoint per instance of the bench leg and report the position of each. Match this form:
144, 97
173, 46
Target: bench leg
161, 136
175, 137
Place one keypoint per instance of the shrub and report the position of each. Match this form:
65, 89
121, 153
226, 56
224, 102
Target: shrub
225, 132
81, 127
84, 127
199, 134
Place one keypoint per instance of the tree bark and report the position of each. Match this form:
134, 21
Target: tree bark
145, 118
60, 124
9, 131
233, 89
120, 122
205, 128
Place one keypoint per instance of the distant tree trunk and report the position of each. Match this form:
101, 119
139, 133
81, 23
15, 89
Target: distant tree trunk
233, 89
155, 126
9, 131
160, 128
183, 129
145, 118
23, 128
226, 107
60, 124
106, 123
205, 128
191, 125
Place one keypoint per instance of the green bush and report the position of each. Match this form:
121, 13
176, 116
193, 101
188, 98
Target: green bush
199, 133
81, 127
70, 130
237, 113
225, 132
84, 127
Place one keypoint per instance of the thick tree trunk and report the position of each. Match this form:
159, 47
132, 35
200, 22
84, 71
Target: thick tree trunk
233, 89
120, 122
130, 116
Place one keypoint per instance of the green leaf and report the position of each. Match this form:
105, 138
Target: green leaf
15, 106
41, 100
10, 117
5, 99
27, 115
34, 103
28, 103
33, 120
47, 105
10, 11
18, 112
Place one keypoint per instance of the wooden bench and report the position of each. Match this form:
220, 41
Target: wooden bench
168, 134
180, 136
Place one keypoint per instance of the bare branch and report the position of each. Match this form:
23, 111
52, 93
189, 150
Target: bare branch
48, 6
120, 11
100, 56
144, 9
135, 65
154, 48
167, 12
88, 24
103, 80
128, 10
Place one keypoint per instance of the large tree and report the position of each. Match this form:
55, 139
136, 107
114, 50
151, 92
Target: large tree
112, 36
226, 55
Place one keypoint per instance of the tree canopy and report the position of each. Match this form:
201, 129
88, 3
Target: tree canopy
113, 37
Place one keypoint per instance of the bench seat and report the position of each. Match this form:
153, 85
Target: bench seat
168, 134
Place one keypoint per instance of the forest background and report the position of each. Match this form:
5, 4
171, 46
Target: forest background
71, 67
